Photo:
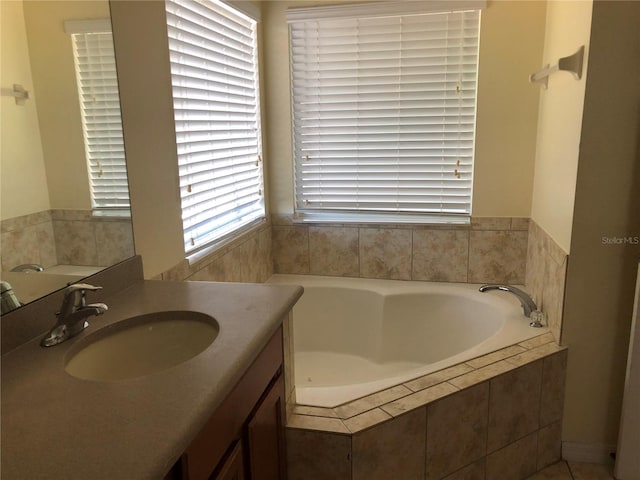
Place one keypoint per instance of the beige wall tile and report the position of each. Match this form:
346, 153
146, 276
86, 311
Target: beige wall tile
318, 456
178, 272
520, 223
371, 401
418, 399
475, 471
114, 241
438, 377
514, 462
391, 450
556, 253
290, 249
304, 422
537, 341
545, 276
491, 223
334, 251
537, 257
549, 445
497, 256
440, 255
314, 411
213, 272
366, 420
15, 223
19, 246
482, 374
457, 431
385, 253
514, 405
47, 244
75, 242
534, 354
496, 356
553, 384
552, 302
265, 245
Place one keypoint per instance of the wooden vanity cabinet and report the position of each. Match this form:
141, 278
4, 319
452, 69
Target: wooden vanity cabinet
244, 438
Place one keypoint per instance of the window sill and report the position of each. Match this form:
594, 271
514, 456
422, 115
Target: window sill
219, 246
377, 219
116, 214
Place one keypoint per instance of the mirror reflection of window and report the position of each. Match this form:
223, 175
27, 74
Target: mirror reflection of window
100, 107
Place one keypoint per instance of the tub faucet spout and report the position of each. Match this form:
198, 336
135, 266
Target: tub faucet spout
528, 305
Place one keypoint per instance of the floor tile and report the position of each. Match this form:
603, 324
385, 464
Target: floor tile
557, 471
590, 471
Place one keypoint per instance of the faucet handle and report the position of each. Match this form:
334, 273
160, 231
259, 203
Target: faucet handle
80, 287
74, 296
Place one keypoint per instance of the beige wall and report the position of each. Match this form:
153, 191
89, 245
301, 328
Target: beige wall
559, 121
142, 59
23, 181
511, 41
58, 105
601, 277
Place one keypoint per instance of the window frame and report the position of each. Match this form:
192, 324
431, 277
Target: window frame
102, 204
319, 214
200, 237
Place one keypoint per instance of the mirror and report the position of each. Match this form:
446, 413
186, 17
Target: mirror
63, 191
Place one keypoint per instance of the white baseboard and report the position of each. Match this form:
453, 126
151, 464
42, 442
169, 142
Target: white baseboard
587, 452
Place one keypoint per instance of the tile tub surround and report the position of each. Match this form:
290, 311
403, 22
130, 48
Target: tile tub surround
489, 250
65, 237
28, 239
545, 276
245, 259
497, 416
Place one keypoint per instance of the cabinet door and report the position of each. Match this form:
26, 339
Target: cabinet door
265, 436
233, 467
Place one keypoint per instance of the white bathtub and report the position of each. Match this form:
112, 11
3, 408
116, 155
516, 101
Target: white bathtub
354, 337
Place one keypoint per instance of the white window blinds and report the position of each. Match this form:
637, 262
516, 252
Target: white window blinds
100, 107
384, 113
214, 72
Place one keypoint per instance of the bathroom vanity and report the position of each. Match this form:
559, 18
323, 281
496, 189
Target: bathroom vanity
218, 413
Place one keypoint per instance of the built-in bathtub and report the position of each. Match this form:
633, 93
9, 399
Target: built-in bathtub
418, 380
354, 336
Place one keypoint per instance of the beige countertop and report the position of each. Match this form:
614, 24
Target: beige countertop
55, 426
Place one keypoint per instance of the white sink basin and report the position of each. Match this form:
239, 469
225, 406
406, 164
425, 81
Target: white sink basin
142, 345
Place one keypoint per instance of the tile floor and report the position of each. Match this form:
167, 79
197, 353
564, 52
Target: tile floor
574, 471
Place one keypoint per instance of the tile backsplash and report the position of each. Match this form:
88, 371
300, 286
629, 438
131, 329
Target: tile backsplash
245, 259
65, 237
545, 277
487, 250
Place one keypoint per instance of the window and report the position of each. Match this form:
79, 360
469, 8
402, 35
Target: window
100, 111
214, 74
383, 111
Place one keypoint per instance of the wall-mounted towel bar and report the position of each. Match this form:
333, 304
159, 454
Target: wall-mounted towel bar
18, 92
572, 63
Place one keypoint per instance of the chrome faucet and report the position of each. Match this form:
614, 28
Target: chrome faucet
528, 305
28, 266
71, 317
